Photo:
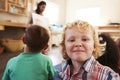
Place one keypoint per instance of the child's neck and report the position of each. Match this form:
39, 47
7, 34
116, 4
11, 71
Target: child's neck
26, 49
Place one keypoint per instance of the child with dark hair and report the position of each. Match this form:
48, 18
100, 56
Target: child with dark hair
110, 56
31, 64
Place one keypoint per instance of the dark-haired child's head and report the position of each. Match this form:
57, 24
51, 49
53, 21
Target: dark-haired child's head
36, 38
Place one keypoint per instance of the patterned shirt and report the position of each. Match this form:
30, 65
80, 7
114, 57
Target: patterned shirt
91, 70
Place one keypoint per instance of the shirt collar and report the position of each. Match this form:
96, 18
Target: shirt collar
88, 65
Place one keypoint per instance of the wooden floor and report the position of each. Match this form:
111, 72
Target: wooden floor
4, 57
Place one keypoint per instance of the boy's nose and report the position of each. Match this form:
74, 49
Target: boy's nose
78, 44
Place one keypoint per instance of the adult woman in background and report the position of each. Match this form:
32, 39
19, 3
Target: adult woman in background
39, 10
37, 16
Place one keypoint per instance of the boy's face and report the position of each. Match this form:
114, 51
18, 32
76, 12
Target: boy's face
79, 46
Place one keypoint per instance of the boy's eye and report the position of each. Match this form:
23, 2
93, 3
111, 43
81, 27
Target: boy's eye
71, 40
85, 39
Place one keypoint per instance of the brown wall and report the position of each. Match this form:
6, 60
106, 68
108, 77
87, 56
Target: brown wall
12, 33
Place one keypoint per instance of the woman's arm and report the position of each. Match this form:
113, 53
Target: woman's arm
30, 20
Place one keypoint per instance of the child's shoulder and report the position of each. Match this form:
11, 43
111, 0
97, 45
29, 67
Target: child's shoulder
107, 71
45, 57
12, 60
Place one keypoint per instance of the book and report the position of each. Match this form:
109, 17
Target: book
40, 20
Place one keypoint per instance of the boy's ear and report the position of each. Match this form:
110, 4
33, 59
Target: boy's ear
44, 49
24, 40
46, 46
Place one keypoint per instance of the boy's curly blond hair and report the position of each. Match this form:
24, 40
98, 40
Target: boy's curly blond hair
81, 26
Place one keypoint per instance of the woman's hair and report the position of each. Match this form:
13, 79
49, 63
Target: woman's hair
81, 26
36, 38
110, 56
38, 6
118, 43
